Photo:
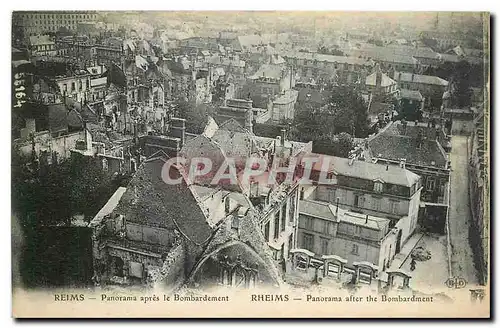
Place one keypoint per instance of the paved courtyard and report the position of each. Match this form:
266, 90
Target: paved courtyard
431, 273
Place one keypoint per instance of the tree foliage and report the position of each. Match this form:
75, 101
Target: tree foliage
44, 195
332, 127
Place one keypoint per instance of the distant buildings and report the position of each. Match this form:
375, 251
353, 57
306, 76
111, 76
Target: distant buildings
42, 45
310, 65
271, 87
430, 87
380, 85
30, 23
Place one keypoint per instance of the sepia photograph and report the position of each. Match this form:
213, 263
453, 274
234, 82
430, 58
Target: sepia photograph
250, 164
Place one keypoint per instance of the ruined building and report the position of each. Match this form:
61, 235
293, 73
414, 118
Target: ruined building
236, 234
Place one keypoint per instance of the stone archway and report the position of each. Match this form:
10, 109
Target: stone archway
236, 274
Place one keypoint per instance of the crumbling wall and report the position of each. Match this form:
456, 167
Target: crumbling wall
171, 274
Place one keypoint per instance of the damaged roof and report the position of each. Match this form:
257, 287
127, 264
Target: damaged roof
150, 201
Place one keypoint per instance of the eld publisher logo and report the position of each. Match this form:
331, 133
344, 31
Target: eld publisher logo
456, 282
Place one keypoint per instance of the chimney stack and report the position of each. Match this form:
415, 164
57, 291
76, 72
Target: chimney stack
337, 209
402, 163
283, 136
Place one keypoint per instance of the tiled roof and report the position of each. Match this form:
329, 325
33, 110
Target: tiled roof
352, 60
235, 144
234, 126
268, 71
396, 147
411, 94
386, 80
358, 219
412, 130
385, 56
317, 209
417, 78
150, 201
327, 211
450, 58
366, 170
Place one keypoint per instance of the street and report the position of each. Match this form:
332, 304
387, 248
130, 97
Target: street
462, 263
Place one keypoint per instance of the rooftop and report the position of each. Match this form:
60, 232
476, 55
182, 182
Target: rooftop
150, 201
268, 71
385, 82
366, 170
328, 212
351, 60
411, 94
394, 144
417, 78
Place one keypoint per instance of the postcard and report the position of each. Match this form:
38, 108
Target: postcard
250, 164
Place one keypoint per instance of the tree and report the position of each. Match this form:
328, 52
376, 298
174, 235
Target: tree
196, 116
332, 127
344, 144
461, 94
349, 110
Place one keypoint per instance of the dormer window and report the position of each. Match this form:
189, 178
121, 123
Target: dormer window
378, 186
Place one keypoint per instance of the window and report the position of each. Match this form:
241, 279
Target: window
324, 246
326, 227
308, 241
309, 224
355, 249
394, 207
80, 85
376, 204
332, 195
73, 86
378, 187
276, 227
266, 231
430, 184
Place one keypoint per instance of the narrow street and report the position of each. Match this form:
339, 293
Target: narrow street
462, 263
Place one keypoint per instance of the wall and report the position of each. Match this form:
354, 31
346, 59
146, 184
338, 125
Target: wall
171, 274
366, 252
368, 207
45, 142
151, 235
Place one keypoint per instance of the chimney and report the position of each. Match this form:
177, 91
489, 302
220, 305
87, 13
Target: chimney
402, 163
283, 136
378, 77
249, 119
337, 209
178, 129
